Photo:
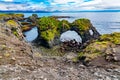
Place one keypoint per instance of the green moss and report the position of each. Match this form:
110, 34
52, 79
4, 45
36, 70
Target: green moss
5, 15
75, 59
55, 51
16, 33
81, 54
98, 47
64, 25
48, 35
25, 28
46, 23
113, 38
83, 24
48, 28
18, 15
12, 23
95, 50
10, 16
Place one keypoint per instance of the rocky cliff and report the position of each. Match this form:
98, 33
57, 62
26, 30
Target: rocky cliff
98, 58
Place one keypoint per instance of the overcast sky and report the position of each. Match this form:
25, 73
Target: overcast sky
61, 5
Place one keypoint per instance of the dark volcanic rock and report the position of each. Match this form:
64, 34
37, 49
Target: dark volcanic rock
33, 19
85, 29
51, 28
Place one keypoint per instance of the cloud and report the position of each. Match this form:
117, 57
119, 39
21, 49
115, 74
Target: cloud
61, 5
8, 0
66, 1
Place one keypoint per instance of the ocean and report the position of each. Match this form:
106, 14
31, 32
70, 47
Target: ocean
105, 22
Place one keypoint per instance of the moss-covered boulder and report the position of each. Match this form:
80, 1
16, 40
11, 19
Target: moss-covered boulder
82, 24
95, 50
48, 31
85, 29
107, 46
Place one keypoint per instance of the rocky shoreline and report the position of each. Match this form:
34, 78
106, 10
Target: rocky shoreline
97, 57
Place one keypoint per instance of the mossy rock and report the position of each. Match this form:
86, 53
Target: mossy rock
11, 16
26, 28
48, 35
95, 49
82, 24
46, 23
18, 15
5, 16
113, 38
48, 29
12, 24
64, 25
25, 23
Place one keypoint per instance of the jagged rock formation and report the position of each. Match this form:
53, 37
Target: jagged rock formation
13, 48
106, 47
50, 30
85, 29
19, 62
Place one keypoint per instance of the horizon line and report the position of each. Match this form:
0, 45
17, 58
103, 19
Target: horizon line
33, 11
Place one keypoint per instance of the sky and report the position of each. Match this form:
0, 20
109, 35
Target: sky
59, 5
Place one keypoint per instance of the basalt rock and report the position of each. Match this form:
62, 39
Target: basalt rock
63, 26
50, 30
48, 33
85, 29
33, 19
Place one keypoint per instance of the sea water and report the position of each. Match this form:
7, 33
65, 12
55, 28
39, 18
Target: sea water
104, 22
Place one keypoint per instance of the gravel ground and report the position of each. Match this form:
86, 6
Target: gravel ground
57, 69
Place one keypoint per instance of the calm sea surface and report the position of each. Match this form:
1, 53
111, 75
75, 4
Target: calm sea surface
105, 22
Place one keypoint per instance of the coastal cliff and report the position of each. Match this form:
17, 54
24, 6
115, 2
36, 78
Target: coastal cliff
95, 57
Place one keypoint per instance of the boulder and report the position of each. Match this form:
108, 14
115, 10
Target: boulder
107, 47
113, 54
